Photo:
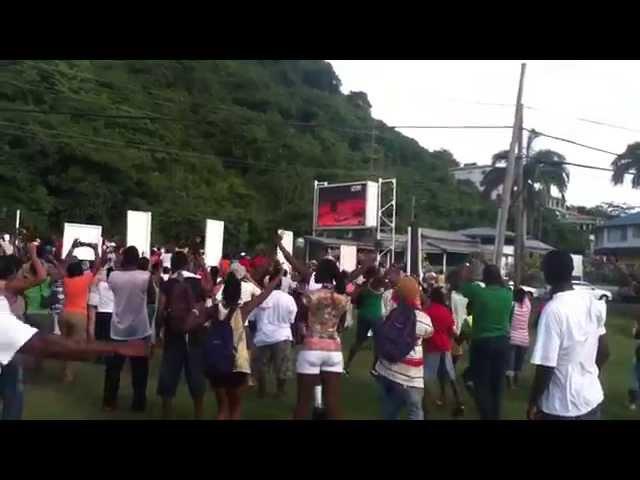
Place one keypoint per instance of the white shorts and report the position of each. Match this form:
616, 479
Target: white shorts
312, 362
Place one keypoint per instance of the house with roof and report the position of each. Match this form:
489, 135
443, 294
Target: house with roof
487, 238
619, 238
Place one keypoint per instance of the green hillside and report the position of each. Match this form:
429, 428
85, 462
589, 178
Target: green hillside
239, 141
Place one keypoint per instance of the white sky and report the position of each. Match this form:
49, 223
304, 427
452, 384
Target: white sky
429, 92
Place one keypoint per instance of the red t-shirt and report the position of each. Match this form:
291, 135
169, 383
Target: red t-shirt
443, 329
259, 262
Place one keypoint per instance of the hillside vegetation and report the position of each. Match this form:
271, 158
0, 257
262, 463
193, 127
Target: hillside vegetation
240, 141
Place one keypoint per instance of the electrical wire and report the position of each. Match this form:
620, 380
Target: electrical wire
561, 139
156, 148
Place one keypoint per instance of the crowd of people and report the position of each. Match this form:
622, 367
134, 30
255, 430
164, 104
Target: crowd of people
230, 326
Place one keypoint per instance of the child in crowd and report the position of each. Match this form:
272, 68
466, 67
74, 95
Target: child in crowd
519, 335
438, 361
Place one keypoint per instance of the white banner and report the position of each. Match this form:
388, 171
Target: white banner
84, 233
213, 242
348, 257
139, 231
287, 242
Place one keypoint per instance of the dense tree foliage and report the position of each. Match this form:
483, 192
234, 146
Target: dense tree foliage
240, 141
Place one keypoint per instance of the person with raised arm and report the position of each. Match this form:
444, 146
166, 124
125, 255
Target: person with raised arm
491, 307
17, 337
230, 384
320, 361
74, 320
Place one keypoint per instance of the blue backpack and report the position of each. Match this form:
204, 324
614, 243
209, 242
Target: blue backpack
219, 350
395, 337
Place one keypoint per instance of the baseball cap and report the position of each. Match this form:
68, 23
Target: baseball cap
238, 270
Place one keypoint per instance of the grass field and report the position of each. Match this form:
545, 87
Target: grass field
47, 398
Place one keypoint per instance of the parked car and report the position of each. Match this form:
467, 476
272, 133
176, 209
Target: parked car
597, 293
535, 292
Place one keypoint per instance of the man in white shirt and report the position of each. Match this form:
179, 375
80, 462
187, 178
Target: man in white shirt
273, 339
571, 347
129, 321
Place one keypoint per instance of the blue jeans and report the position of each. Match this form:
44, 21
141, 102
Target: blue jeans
396, 396
12, 390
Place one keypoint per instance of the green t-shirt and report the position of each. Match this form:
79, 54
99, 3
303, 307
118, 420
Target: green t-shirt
34, 296
491, 309
370, 304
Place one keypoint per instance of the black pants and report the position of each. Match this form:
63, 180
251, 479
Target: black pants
488, 359
103, 326
139, 379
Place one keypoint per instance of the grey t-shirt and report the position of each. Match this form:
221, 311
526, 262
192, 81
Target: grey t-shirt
130, 319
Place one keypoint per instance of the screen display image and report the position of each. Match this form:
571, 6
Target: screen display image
342, 206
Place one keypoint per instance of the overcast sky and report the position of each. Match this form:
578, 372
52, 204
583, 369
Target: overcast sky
425, 92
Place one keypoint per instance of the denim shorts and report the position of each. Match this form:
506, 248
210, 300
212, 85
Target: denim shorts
176, 356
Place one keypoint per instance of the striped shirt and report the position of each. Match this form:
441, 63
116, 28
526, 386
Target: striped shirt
409, 372
520, 323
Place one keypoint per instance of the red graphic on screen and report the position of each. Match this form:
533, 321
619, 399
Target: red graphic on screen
342, 206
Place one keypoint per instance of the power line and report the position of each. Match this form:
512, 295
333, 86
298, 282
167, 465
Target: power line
117, 116
581, 165
451, 126
574, 143
110, 144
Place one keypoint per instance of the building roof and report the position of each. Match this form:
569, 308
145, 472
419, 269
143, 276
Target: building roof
470, 167
482, 232
438, 241
330, 242
631, 219
574, 217
537, 246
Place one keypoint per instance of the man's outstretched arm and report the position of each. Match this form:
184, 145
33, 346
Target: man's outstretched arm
61, 348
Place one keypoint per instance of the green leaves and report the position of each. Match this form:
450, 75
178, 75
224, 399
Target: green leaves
240, 141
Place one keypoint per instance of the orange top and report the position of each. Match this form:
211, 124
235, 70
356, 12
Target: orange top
224, 267
76, 293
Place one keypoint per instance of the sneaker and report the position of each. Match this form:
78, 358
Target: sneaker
633, 407
345, 372
458, 411
319, 414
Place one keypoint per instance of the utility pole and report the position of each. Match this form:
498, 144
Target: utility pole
508, 180
520, 211
413, 209
522, 217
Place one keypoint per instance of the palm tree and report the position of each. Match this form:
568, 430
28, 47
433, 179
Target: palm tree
542, 170
628, 162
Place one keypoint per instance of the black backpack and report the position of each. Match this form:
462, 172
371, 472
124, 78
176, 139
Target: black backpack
180, 303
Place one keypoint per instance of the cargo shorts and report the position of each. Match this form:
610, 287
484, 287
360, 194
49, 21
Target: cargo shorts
278, 355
